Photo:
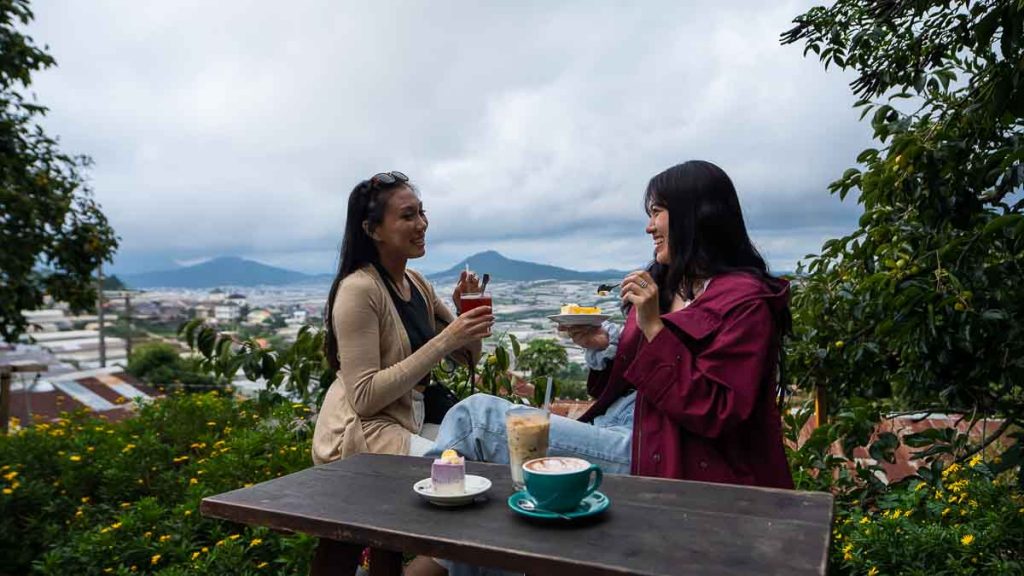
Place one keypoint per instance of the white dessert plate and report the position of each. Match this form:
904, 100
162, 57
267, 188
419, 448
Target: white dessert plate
475, 486
579, 319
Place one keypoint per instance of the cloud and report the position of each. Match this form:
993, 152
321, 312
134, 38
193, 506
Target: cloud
240, 127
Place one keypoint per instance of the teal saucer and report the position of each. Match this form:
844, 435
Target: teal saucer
590, 506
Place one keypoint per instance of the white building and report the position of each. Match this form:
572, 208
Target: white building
226, 313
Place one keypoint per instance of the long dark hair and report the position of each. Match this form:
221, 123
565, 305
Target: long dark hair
367, 202
707, 236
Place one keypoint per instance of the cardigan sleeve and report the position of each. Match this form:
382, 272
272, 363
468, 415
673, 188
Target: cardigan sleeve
357, 317
717, 391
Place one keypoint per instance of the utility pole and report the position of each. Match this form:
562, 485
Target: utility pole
131, 326
99, 312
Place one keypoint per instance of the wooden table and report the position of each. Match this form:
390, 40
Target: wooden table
652, 526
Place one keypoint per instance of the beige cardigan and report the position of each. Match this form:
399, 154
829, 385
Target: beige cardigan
368, 407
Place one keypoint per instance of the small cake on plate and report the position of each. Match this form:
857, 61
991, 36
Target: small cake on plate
448, 474
577, 309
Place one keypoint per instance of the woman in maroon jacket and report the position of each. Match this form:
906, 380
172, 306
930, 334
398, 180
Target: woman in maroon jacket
702, 341
699, 352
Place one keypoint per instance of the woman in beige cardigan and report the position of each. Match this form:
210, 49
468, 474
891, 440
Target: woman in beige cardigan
382, 327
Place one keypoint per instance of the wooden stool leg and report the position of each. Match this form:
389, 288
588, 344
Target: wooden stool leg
385, 562
335, 558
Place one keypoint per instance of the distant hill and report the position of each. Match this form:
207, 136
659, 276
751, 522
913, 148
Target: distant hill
233, 271
504, 269
224, 271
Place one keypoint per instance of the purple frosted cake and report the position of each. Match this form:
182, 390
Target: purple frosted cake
448, 474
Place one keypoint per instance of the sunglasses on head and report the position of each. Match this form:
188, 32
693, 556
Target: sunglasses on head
386, 178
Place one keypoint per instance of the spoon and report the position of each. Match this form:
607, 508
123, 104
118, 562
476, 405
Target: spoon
483, 287
529, 505
606, 288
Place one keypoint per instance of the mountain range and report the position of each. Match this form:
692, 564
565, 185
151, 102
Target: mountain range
234, 271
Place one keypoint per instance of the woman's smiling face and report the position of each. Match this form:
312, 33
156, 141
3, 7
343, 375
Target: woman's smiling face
657, 227
403, 232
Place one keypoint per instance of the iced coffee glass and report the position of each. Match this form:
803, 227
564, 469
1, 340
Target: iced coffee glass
527, 439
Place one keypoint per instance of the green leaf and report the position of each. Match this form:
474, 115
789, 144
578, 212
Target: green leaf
502, 356
205, 341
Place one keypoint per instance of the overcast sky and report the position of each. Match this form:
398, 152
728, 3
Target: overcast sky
532, 128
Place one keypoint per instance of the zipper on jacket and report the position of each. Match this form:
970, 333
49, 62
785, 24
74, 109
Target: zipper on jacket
639, 432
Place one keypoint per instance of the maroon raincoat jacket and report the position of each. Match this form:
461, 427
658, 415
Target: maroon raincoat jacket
706, 403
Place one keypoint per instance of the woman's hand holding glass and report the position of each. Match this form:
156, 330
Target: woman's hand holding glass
470, 327
468, 283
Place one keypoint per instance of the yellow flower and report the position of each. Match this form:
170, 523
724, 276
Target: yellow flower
8, 491
255, 542
180, 459
873, 571
193, 481
188, 512
115, 525
953, 469
848, 552
211, 423
126, 504
234, 537
78, 513
147, 534
90, 449
154, 559
920, 486
198, 445
204, 550
865, 520
165, 538
262, 565
967, 540
975, 461
85, 499
108, 570
11, 475
75, 458
196, 555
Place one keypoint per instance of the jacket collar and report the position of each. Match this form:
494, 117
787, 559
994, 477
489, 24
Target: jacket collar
724, 293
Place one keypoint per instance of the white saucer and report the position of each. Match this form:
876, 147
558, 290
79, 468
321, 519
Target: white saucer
475, 486
579, 319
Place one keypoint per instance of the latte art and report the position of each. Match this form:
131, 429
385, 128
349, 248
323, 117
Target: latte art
557, 465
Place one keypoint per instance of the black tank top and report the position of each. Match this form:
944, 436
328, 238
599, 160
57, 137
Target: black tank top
414, 314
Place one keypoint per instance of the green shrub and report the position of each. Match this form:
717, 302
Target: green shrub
160, 364
965, 521
148, 358
84, 496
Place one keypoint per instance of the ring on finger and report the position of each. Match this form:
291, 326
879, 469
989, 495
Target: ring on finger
643, 283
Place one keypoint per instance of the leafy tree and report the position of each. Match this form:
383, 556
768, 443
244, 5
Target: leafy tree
52, 232
160, 364
921, 306
149, 358
543, 357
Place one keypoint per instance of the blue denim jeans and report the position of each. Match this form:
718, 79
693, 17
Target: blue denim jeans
475, 427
